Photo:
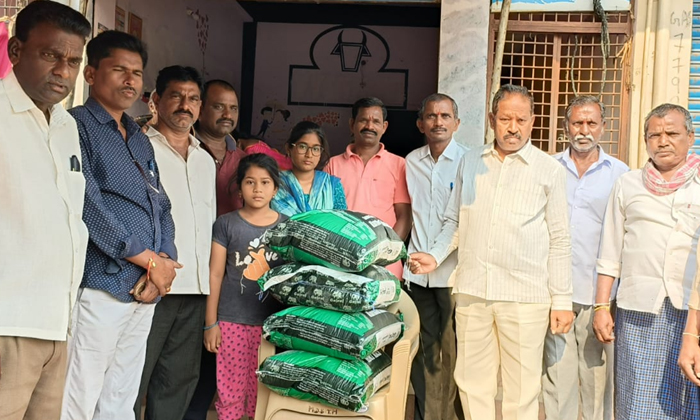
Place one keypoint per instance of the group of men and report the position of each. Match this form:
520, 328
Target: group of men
514, 253
540, 242
98, 237
506, 207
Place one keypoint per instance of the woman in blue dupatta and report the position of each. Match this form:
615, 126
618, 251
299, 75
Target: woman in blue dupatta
304, 187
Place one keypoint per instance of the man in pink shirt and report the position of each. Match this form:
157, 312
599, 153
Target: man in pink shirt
374, 179
5, 65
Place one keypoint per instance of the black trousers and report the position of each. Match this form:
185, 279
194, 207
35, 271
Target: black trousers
432, 372
172, 366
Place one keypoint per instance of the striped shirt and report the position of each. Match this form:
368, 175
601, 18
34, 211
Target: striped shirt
509, 220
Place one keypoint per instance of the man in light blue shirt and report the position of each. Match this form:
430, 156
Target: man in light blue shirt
430, 176
575, 363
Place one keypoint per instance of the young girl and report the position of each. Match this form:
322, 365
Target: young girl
305, 188
236, 308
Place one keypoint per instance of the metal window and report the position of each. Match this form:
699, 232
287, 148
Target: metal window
558, 55
10, 8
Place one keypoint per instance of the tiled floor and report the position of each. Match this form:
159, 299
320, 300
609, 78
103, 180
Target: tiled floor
409, 415
410, 402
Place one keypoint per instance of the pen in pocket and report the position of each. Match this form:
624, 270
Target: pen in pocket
74, 164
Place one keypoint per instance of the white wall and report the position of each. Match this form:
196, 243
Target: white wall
463, 62
171, 36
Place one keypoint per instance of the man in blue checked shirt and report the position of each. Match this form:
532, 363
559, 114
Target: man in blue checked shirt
577, 367
131, 256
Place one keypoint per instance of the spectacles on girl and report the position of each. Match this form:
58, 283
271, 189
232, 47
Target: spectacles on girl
303, 147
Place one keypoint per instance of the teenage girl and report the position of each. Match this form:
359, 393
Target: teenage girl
305, 187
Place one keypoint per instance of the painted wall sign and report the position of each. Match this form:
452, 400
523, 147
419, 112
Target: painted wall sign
559, 5
315, 72
345, 62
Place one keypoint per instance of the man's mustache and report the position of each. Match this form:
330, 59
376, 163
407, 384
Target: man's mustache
508, 136
184, 111
221, 120
367, 130
58, 81
581, 137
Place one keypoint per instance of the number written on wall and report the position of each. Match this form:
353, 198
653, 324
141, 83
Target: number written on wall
680, 22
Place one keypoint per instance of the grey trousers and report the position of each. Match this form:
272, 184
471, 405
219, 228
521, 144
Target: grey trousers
432, 373
173, 354
578, 369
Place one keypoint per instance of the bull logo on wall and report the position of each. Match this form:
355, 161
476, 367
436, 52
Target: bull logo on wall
347, 62
351, 53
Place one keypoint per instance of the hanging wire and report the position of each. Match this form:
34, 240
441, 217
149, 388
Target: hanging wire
571, 63
604, 40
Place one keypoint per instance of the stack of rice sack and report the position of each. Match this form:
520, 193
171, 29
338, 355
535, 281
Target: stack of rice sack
334, 338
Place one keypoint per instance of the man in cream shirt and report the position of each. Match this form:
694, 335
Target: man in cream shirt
188, 175
508, 216
42, 191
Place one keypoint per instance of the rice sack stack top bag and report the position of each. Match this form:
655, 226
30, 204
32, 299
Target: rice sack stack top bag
325, 379
337, 334
322, 287
339, 239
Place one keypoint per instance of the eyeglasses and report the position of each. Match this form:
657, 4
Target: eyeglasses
303, 147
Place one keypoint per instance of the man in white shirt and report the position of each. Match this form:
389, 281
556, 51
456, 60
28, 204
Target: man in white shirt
42, 190
508, 215
650, 237
577, 365
188, 174
431, 172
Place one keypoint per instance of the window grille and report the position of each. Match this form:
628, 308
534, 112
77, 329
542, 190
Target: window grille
559, 55
10, 8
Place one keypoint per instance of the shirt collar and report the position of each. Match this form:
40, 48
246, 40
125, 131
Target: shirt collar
21, 102
104, 117
153, 133
603, 157
230, 142
525, 153
349, 151
450, 151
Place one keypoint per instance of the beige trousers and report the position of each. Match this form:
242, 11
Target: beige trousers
32, 376
493, 334
578, 367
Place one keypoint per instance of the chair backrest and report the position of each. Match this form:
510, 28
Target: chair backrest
402, 356
408, 310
